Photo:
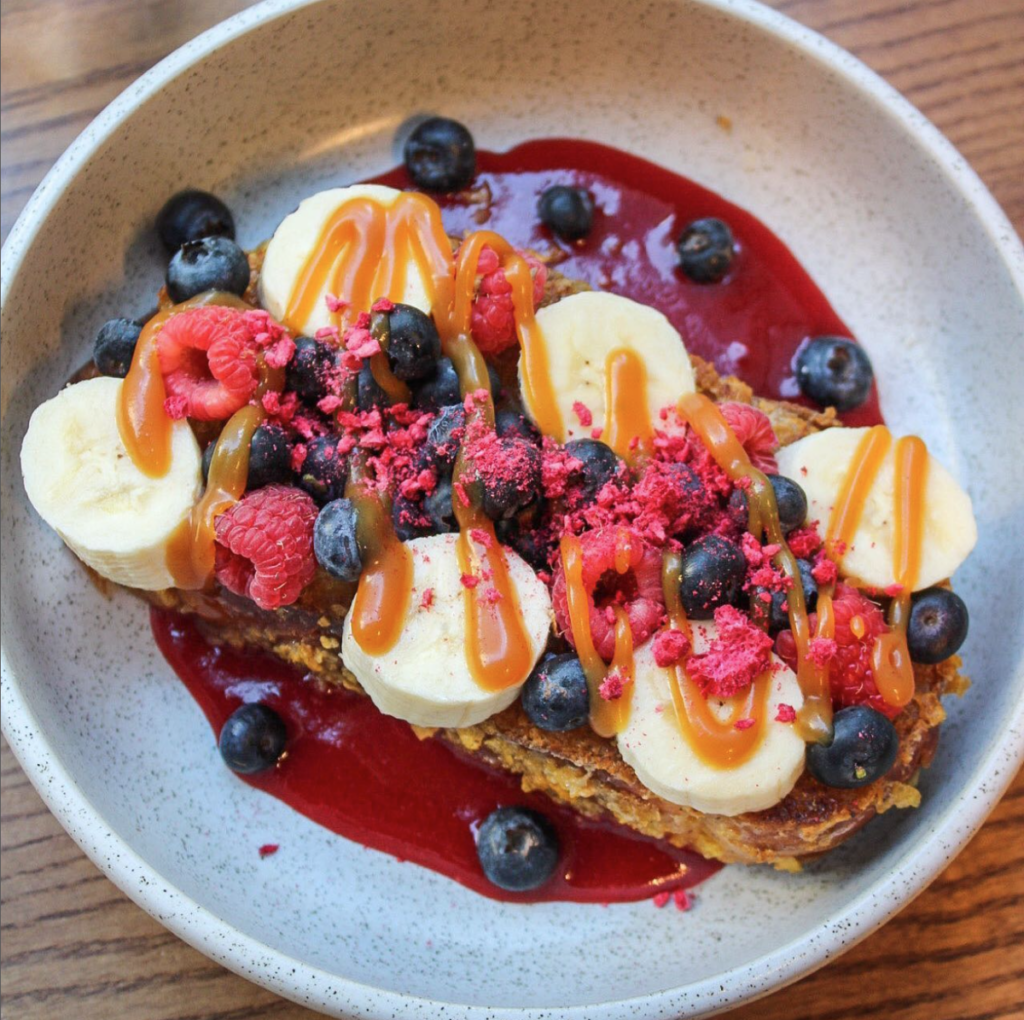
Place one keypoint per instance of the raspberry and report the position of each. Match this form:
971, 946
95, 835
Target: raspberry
265, 545
207, 357
754, 431
638, 590
849, 666
493, 317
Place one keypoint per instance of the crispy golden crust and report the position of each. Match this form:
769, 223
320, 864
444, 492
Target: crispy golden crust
586, 771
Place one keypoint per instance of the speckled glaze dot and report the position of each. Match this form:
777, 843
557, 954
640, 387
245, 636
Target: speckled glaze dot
900, 235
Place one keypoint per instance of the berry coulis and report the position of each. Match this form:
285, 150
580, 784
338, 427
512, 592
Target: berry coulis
749, 325
366, 776
369, 778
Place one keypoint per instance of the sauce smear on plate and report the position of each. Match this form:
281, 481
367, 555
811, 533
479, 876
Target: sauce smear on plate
749, 325
368, 777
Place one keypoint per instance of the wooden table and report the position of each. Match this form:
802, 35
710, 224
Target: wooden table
73, 945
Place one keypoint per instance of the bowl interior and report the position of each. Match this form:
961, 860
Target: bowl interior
313, 98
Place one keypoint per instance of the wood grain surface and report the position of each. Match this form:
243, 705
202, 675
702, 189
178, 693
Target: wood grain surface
74, 946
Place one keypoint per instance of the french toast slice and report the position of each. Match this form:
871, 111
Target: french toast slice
584, 770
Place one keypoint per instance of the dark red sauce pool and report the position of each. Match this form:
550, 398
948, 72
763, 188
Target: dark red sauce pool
750, 325
369, 778
366, 776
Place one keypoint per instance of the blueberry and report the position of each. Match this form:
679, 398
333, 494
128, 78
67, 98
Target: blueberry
310, 369
599, 464
791, 502
706, 250
211, 263
937, 626
439, 508
809, 585
514, 423
511, 481
270, 457
533, 543
369, 393
323, 471
778, 616
114, 346
192, 215
252, 739
518, 848
863, 748
440, 390
834, 372
699, 504
555, 695
409, 518
440, 155
568, 212
445, 435
414, 344
738, 509
334, 540
688, 482
713, 572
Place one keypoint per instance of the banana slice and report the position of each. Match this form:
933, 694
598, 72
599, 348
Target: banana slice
582, 330
654, 746
294, 241
80, 479
820, 462
424, 678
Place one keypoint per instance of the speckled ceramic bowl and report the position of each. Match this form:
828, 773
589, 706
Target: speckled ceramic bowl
283, 100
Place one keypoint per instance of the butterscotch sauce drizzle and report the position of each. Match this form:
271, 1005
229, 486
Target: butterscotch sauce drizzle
192, 549
860, 476
381, 603
628, 428
142, 422
363, 252
536, 373
397, 392
607, 716
146, 429
714, 739
890, 657
814, 720
499, 651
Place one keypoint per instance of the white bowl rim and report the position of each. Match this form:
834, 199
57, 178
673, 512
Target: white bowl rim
317, 988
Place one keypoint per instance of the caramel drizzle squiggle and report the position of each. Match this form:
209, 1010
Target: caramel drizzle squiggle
628, 428
890, 657
144, 425
716, 740
815, 717
381, 602
145, 429
191, 552
608, 716
363, 253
